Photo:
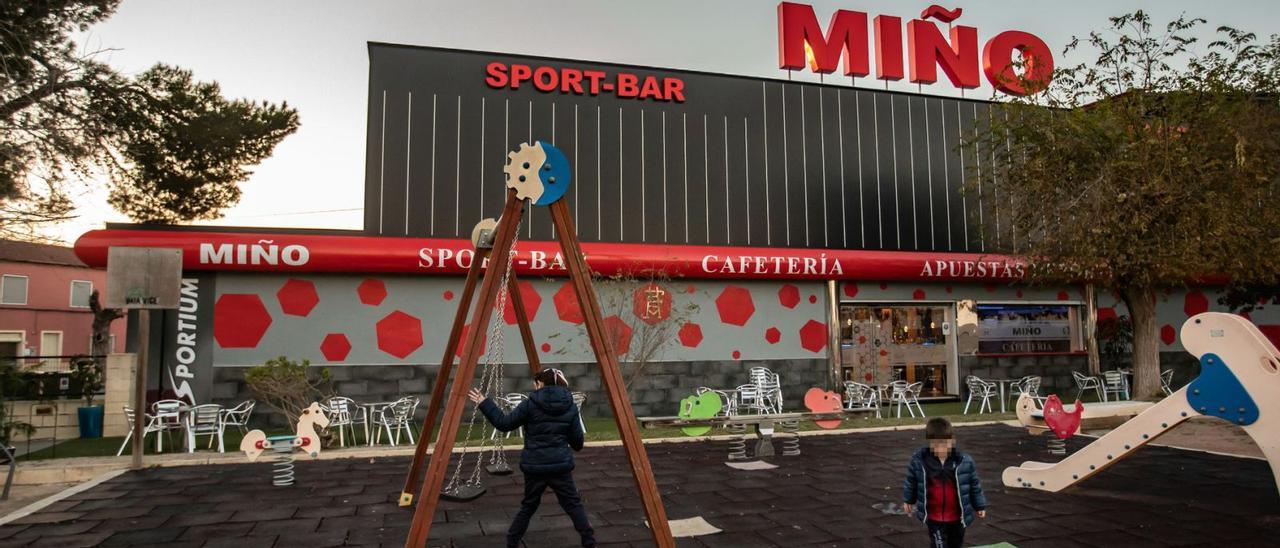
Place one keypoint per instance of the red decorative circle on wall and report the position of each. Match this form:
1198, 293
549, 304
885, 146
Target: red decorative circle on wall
619, 333
948, 288
884, 285
690, 335
1195, 303
850, 289
532, 301
1168, 334
813, 336
789, 296
918, 295
651, 303
734, 305
297, 297
884, 353
737, 354
546, 347
399, 334
335, 347
239, 320
991, 288
448, 295
1063, 296
1019, 293
772, 335
1106, 314
566, 302
813, 299
371, 291
689, 289
862, 339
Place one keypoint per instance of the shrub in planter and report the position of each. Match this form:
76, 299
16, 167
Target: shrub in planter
87, 373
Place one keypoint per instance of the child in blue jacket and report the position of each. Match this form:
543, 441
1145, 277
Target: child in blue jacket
942, 487
551, 434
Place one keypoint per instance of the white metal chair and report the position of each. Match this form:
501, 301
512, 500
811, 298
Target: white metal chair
1029, 385
1114, 383
580, 398
168, 415
1166, 382
396, 417
861, 396
238, 416
728, 401
983, 391
205, 420
506, 404
902, 392
913, 396
1085, 382
770, 386
151, 426
750, 400
344, 414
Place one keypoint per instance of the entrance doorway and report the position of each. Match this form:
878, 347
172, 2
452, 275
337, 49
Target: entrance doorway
880, 343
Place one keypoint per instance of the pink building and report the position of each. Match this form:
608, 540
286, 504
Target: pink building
44, 302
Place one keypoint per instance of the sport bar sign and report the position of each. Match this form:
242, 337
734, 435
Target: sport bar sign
143, 277
801, 42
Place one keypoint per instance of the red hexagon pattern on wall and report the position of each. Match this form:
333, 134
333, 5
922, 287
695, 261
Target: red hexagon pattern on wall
813, 336
335, 347
566, 302
297, 297
532, 301
372, 291
1168, 334
399, 334
1063, 296
1195, 303
619, 333
850, 290
789, 296
772, 335
651, 303
690, 335
918, 295
734, 305
239, 320
1106, 314
462, 341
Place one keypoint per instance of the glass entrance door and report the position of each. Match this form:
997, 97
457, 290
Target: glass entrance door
883, 343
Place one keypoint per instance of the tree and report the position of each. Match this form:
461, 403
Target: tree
1153, 166
172, 148
100, 340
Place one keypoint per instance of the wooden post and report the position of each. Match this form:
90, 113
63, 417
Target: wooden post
522, 320
471, 351
614, 385
140, 386
442, 377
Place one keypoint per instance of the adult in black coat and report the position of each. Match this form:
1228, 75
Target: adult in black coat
552, 433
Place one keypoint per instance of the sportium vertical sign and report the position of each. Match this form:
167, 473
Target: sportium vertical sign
849, 36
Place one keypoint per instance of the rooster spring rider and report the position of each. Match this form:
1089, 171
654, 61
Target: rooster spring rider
537, 174
1239, 382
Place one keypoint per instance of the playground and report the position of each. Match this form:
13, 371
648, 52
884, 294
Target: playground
829, 495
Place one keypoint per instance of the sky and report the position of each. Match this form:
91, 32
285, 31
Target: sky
312, 54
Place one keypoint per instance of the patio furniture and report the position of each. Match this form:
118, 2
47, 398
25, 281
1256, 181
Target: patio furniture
395, 417
344, 414
1085, 382
983, 390
1029, 385
1114, 383
238, 416
507, 403
903, 392
204, 420
749, 400
169, 415
770, 386
1166, 382
578, 399
728, 399
152, 425
861, 396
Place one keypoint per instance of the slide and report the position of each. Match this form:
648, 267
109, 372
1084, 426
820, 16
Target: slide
1239, 382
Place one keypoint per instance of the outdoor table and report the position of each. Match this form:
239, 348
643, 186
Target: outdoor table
1001, 383
369, 409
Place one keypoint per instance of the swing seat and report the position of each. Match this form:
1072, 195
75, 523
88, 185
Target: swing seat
498, 469
464, 493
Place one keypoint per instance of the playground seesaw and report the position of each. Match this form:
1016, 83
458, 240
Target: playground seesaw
1239, 382
1094, 415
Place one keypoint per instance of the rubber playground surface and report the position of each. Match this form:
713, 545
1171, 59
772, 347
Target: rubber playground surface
828, 496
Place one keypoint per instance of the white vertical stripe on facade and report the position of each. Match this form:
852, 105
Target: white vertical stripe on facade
382, 156
844, 216
893, 138
862, 208
995, 188
684, 146
911, 144
553, 143
946, 167
768, 222
786, 167
599, 185
822, 140
977, 157
804, 166
620, 209
432, 223
408, 143
875, 120
643, 216
746, 176
664, 177
576, 180
706, 182
529, 214
457, 170
964, 200
726, 181
482, 108
928, 150
506, 141
1008, 147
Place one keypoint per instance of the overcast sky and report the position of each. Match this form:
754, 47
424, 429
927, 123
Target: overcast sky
312, 54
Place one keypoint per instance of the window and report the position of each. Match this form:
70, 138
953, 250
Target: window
1028, 329
13, 289
80, 291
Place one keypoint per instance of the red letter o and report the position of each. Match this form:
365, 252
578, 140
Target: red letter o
997, 63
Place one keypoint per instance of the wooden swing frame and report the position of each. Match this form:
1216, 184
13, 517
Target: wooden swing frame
490, 280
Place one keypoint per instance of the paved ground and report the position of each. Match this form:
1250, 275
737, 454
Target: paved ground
824, 498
